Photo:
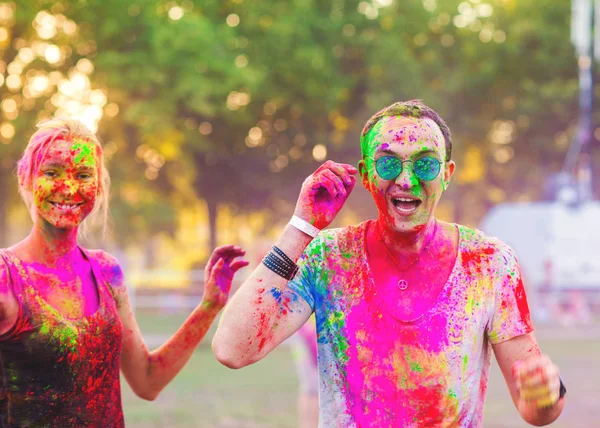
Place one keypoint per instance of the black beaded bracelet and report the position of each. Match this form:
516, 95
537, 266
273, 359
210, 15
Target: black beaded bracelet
283, 255
277, 265
280, 263
284, 273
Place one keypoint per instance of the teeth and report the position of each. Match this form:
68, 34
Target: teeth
66, 207
404, 200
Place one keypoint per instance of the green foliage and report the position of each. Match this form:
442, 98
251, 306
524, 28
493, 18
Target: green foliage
234, 95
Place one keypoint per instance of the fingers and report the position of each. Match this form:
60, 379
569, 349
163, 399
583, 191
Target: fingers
238, 264
343, 171
226, 251
333, 183
216, 254
217, 266
232, 254
537, 380
535, 371
338, 179
227, 265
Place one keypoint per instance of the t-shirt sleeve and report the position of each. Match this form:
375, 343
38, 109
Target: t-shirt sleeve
303, 283
510, 317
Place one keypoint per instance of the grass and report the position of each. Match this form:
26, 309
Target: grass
206, 394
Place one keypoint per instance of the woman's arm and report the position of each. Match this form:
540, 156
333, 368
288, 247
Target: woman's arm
148, 372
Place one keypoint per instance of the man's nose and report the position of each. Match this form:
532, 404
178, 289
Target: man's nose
407, 179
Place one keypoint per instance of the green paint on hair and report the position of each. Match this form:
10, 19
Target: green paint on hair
368, 138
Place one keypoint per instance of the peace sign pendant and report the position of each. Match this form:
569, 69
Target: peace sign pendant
403, 284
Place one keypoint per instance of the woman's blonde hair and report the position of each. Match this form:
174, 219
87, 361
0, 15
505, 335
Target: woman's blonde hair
47, 133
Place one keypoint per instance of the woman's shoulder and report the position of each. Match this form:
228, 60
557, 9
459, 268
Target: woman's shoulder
109, 265
4, 275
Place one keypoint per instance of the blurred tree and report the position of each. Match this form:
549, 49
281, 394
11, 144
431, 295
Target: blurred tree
236, 102
44, 69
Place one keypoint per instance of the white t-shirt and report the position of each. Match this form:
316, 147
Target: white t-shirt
376, 370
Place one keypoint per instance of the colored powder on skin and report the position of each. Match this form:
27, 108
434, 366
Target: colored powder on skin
262, 328
44, 184
283, 300
276, 293
83, 151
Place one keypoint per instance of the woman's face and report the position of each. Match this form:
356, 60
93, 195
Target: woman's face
66, 185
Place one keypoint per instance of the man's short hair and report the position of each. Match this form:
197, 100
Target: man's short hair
412, 108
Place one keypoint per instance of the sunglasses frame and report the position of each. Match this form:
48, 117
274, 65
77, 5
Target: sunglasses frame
402, 166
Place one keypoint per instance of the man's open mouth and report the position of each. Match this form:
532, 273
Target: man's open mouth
406, 205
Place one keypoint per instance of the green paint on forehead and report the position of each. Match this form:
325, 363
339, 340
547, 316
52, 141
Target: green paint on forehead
84, 152
366, 143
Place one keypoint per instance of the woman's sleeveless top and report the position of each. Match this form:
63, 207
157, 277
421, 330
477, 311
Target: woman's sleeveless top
56, 371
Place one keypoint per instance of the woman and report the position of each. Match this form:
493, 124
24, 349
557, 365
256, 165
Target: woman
66, 324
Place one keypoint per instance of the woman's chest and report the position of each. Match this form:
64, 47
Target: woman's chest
72, 295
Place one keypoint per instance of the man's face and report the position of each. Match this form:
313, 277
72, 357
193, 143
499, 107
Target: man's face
66, 184
406, 202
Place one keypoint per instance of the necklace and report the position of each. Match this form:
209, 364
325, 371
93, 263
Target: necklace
403, 283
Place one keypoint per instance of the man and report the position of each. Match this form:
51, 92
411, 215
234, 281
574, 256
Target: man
408, 307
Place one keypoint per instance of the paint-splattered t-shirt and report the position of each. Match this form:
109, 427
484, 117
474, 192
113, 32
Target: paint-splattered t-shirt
56, 371
378, 371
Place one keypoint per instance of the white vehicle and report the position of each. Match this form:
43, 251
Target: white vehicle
558, 247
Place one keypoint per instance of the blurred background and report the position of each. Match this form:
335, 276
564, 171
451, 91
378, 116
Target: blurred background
212, 113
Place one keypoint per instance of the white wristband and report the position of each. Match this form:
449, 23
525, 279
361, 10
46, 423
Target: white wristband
303, 226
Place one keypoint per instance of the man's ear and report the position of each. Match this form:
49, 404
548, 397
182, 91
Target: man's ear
448, 173
364, 173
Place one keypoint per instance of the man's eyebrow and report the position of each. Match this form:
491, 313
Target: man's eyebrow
420, 152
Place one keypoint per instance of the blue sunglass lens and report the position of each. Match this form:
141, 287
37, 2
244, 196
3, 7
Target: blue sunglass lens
388, 167
427, 168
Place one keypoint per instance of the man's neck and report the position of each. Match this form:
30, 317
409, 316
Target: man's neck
406, 244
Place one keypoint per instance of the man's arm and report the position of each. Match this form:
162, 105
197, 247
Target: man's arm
265, 311
532, 379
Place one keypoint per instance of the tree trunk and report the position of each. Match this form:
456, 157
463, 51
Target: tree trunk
213, 208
